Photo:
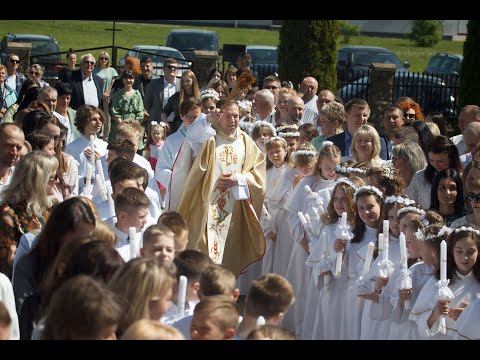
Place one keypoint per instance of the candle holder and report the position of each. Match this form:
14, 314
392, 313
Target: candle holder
444, 293
344, 233
403, 282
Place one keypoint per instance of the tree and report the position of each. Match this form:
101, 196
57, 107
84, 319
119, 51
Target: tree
469, 74
309, 48
425, 33
348, 30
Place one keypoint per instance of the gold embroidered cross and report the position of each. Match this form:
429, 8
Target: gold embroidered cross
228, 156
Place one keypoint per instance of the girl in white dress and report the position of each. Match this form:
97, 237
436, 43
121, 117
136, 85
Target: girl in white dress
324, 312
369, 205
463, 273
322, 180
278, 162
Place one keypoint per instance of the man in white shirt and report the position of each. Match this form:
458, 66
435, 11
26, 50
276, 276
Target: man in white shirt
308, 91
87, 88
469, 114
263, 106
11, 142
14, 79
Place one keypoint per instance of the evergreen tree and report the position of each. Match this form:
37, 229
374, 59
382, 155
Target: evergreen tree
309, 48
469, 74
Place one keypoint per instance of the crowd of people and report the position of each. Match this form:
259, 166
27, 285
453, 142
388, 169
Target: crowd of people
136, 206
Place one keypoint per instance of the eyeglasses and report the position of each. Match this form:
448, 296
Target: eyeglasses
103, 58
271, 87
171, 67
34, 73
410, 116
89, 62
471, 196
15, 61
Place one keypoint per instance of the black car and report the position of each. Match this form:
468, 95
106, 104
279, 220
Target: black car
45, 51
354, 61
264, 61
431, 92
188, 40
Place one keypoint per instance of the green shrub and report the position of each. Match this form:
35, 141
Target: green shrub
469, 74
425, 33
347, 30
309, 48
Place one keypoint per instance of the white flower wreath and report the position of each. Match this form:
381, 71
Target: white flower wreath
303, 153
278, 138
345, 181
348, 170
209, 93
365, 188
288, 134
326, 143
242, 104
287, 127
469, 228
399, 200
411, 209
389, 172
265, 123
444, 230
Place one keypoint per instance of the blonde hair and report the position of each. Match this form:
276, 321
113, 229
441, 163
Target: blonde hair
104, 232
334, 111
278, 142
28, 182
129, 126
195, 88
147, 329
305, 160
367, 131
327, 150
157, 230
222, 310
217, 280
103, 53
154, 127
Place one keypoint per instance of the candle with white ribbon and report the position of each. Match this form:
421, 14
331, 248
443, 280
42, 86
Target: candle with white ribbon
443, 261
101, 187
302, 218
132, 235
325, 244
92, 150
380, 244
111, 204
182, 295
403, 251
338, 264
368, 260
88, 180
386, 230
100, 169
386, 245
343, 222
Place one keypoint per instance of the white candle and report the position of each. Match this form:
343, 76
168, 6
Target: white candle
182, 294
92, 150
100, 170
308, 189
385, 246
302, 218
325, 244
386, 227
111, 204
132, 235
443, 260
338, 265
88, 179
403, 251
307, 217
380, 243
261, 321
344, 219
368, 259
101, 187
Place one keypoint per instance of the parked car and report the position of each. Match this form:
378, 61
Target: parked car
264, 61
431, 92
354, 61
442, 63
45, 51
188, 40
158, 55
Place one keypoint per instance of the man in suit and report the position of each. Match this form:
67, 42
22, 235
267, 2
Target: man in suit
87, 88
393, 118
357, 113
143, 80
160, 90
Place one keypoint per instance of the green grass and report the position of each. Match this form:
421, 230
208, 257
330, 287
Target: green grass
91, 34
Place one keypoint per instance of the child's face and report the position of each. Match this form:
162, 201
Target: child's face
447, 191
412, 244
405, 220
465, 254
260, 141
328, 166
393, 221
161, 247
50, 147
160, 305
340, 202
190, 116
368, 209
208, 106
428, 253
136, 218
158, 134
292, 144
205, 328
133, 138
277, 155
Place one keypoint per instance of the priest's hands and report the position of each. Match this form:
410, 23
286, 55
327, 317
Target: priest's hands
226, 181
214, 116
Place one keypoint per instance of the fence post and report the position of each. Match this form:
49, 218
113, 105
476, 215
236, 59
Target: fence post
380, 92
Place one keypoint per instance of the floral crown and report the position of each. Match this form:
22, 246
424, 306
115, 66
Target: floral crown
399, 200
413, 209
326, 143
349, 170
366, 188
242, 104
161, 123
345, 181
287, 127
444, 230
265, 123
303, 153
289, 134
470, 229
389, 172
276, 138
209, 93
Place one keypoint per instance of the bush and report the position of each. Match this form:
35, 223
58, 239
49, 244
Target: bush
309, 48
347, 30
469, 74
425, 33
